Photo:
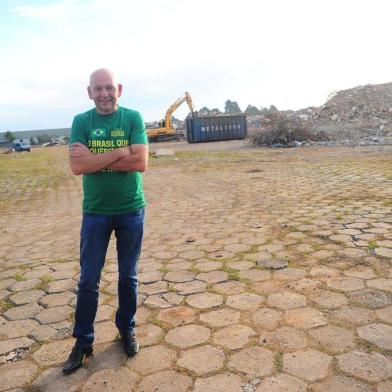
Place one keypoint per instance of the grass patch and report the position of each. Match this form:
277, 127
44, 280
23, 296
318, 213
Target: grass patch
234, 274
5, 305
372, 245
19, 277
22, 174
46, 278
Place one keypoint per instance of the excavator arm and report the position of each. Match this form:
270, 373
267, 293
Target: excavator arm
166, 128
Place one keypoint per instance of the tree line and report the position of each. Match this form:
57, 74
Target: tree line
232, 107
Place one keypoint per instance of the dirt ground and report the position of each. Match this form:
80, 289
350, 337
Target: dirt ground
215, 313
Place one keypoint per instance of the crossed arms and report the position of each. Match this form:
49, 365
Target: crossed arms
128, 159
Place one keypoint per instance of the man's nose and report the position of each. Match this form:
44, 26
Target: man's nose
104, 92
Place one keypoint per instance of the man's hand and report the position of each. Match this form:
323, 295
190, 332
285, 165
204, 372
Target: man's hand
83, 161
79, 150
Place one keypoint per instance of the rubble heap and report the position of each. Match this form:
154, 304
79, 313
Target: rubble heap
361, 115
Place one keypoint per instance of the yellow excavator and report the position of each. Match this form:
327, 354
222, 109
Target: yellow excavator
165, 129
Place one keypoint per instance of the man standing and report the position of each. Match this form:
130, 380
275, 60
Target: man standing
109, 147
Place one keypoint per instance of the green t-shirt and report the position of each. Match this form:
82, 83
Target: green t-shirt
108, 192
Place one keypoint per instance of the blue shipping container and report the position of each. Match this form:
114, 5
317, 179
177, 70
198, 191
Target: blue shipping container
214, 128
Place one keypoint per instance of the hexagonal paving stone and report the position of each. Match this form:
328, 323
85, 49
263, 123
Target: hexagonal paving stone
179, 276
152, 359
306, 285
362, 273
289, 338
334, 339
190, 287
221, 317
345, 284
110, 355
371, 367
26, 297
230, 287
353, 315
192, 255
13, 344
233, 337
384, 252
227, 382
148, 277
202, 360
304, 318
204, 300
310, 365
286, 300
54, 353
329, 299
282, 383
53, 380
59, 286
266, 318
372, 298
255, 275
55, 314
16, 329
157, 301
105, 332
57, 299
43, 333
22, 312
151, 288
341, 383
289, 274
385, 314
213, 276
379, 334
253, 361
166, 381
244, 301
178, 315
188, 336
148, 334
25, 285
381, 284
207, 266
322, 270
17, 374
241, 265
120, 379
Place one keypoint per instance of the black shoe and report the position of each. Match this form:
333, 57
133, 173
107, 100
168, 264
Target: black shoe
76, 358
129, 342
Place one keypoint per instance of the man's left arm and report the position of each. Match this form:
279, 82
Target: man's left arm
135, 162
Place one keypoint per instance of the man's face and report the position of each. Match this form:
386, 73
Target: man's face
104, 91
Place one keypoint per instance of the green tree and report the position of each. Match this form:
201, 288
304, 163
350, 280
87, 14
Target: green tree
10, 136
252, 110
272, 109
232, 107
44, 138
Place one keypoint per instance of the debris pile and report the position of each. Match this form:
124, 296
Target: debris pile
357, 116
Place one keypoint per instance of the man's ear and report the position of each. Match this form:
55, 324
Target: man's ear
89, 92
119, 87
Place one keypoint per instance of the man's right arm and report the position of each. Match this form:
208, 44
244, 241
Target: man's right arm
83, 161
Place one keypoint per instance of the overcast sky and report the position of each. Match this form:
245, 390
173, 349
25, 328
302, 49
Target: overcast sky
291, 54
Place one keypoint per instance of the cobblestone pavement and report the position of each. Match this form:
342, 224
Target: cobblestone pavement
215, 314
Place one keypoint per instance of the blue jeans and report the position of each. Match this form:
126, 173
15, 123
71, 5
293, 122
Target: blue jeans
94, 240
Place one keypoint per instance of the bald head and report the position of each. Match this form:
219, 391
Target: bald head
104, 90
100, 73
